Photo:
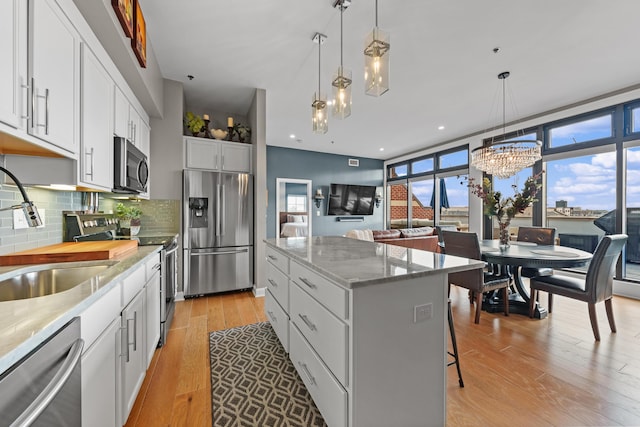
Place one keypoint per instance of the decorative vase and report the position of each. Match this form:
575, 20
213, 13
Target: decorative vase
134, 225
504, 232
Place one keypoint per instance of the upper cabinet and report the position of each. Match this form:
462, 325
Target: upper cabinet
96, 159
54, 79
211, 154
13, 67
128, 123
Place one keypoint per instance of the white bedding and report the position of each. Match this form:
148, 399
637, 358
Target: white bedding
295, 229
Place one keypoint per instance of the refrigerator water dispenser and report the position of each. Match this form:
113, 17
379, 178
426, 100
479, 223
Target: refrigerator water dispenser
198, 212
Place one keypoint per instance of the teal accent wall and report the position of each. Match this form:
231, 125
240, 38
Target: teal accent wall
322, 169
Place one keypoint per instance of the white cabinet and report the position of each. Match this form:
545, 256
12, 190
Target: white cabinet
96, 159
224, 156
152, 308
128, 123
100, 379
54, 69
133, 355
13, 67
100, 330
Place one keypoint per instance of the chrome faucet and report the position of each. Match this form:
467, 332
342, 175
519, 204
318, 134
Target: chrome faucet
27, 206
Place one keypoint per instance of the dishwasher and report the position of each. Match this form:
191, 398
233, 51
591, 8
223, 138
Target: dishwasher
44, 388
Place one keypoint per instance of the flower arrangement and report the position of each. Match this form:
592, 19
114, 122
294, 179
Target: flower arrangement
194, 122
505, 209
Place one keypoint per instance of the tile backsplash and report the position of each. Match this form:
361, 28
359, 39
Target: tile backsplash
53, 203
157, 216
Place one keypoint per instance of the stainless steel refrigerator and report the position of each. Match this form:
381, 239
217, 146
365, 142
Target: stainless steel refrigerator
217, 231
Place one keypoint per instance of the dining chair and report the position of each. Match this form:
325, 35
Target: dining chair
540, 236
467, 245
594, 288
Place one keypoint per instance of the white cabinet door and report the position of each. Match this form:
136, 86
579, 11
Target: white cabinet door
152, 309
100, 379
202, 154
135, 124
236, 157
96, 158
133, 352
54, 69
13, 67
121, 124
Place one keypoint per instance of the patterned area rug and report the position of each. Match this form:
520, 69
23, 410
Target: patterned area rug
253, 382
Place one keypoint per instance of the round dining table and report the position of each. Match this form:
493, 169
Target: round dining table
519, 255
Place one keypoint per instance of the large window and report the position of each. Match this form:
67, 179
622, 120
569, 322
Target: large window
507, 188
581, 131
632, 258
296, 203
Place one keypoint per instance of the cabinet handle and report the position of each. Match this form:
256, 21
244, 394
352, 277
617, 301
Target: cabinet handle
135, 331
135, 132
33, 102
124, 339
222, 166
215, 162
308, 322
307, 372
90, 153
27, 116
273, 283
308, 283
272, 316
46, 111
271, 257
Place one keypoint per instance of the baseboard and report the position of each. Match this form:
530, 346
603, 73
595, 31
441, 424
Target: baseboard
258, 292
180, 296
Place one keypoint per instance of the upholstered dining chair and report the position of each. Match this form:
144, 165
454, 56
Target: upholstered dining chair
540, 236
594, 288
467, 245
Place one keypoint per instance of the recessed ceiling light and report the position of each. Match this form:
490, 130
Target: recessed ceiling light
292, 136
440, 127
382, 149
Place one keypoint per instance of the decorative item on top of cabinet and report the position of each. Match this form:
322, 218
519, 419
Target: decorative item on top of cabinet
194, 123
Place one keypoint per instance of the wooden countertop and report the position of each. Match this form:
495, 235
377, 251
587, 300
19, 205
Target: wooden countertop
70, 251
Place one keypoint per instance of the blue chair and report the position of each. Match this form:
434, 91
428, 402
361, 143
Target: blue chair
594, 288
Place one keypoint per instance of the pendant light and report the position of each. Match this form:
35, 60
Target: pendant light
505, 158
342, 78
376, 61
319, 104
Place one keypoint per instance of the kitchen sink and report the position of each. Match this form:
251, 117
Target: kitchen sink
41, 280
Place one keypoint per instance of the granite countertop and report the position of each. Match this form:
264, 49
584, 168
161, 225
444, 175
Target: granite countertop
352, 263
26, 323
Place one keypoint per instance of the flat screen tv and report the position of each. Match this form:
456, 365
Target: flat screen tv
351, 199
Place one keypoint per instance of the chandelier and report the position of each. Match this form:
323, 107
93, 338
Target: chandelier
504, 159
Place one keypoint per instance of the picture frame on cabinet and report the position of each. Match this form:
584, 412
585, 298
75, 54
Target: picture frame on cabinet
139, 40
124, 12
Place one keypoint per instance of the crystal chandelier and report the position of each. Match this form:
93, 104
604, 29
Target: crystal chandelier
504, 159
319, 105
342, 79
376, 61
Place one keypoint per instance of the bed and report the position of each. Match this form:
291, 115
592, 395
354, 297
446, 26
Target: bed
294, 224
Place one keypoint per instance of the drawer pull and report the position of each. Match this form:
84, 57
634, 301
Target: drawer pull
273, 283
272, 316
307, 373
273, 258
308, 283
307, 322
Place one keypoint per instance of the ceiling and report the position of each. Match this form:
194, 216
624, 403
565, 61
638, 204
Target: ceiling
443, 68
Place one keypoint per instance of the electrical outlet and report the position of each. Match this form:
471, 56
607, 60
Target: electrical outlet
317, 213
19, 221
422, 312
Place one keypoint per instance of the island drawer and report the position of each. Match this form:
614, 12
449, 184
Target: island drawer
133, 284
276, 258
278, 284
327, 394
97, 317
327, 293
326, 333
278, 319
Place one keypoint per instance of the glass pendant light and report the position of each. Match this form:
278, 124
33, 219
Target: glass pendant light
319, 104
376, 61
341, 79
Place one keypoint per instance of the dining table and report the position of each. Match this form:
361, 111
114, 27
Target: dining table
513, 258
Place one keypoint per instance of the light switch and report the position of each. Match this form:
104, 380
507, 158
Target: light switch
422, 312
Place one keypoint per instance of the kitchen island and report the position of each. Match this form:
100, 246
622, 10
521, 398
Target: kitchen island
365, 326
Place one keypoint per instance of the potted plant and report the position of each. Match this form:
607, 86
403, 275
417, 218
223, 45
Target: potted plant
194, 122
243, 132
131, 214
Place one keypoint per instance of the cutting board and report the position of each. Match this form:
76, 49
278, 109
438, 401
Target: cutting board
71, 251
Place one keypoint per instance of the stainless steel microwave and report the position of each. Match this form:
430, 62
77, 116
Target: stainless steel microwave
131, 171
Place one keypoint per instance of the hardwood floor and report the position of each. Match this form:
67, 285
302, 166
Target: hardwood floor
516, 370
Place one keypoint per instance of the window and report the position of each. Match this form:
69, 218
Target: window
422, 202
422, 166
398, 206
506, 188
632, 259
398, 171
585, 130
454, 201
635, 119
456, 158
296, 203
579, 191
